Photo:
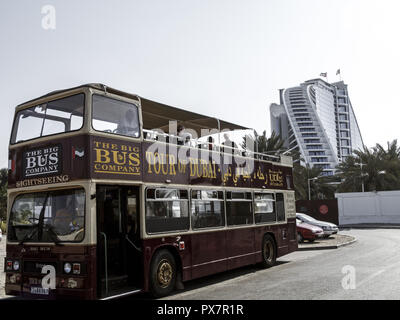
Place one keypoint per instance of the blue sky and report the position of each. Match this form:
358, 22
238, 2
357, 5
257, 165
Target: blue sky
223, 58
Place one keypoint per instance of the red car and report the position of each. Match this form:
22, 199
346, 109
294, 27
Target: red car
308, 232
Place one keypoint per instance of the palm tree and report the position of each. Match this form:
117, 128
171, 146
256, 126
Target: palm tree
378, 169
392, 153
274, 145
319, 185
391, 164
349, 172
262, 144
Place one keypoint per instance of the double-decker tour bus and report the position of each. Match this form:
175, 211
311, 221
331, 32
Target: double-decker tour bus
103, 205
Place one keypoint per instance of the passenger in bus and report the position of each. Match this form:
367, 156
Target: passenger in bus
184, 137
129, 124
229, 145
211, 144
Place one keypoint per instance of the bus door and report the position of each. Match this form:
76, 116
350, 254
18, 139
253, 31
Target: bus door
119, 263
283, 237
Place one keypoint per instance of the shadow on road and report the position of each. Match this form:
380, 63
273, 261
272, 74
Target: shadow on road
209, 280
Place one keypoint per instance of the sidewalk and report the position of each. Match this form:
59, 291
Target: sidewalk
333, 242
2, 274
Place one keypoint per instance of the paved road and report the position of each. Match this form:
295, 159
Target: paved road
329, 274
374, 258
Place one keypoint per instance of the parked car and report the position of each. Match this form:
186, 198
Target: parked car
307, 231
329, 228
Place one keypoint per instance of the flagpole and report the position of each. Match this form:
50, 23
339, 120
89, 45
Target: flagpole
340, 74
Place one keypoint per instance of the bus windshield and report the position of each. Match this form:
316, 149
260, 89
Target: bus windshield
115, 116
53, 117
52, 216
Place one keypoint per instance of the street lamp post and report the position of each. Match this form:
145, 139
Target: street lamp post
362, 175
366, 174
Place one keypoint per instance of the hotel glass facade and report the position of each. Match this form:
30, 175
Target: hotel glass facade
317, 118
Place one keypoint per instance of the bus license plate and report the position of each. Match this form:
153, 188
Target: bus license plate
39, 290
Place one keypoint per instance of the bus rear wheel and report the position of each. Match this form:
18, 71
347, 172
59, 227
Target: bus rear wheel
268, 251
162, 273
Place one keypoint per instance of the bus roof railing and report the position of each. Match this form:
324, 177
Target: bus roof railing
152, 135
156, 114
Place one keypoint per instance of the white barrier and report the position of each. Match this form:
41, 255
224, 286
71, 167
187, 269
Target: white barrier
369, 207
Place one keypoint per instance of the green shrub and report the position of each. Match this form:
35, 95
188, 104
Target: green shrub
3, 227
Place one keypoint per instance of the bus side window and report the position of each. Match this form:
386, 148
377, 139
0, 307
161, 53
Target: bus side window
288, 182
239, 208
207, 209
280, 207
264, 210
167, 210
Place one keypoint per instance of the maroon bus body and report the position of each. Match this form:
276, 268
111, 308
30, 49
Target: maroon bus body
57, 255
213, 252
204, 253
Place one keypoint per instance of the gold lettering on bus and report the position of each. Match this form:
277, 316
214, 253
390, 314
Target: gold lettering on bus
116, 158
200, 168
41, 181
182, 166
275, 178
102, 156
161, 163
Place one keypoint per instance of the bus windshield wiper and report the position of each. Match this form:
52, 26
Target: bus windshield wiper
29, 235
38, 227
41, 218
53, 234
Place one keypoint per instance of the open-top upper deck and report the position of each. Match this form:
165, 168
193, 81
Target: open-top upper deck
82, 133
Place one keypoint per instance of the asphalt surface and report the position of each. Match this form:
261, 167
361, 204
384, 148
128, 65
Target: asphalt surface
367, 269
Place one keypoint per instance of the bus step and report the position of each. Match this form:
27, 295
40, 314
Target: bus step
121, 293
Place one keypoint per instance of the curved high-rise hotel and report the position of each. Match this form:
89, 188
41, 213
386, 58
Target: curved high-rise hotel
317, 118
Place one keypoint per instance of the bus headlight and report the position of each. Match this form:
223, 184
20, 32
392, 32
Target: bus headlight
16, 265
67, 267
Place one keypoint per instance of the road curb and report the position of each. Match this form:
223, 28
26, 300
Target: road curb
329, 247
347, 243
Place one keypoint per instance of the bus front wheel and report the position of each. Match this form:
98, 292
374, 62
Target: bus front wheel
268, 251
162, 273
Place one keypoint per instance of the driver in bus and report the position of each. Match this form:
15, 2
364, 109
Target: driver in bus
64, 222
129, 124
